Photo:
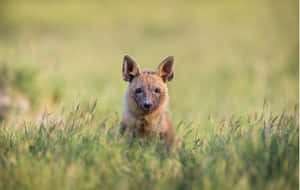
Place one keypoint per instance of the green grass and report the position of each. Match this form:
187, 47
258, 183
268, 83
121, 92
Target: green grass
232, 99
255, 151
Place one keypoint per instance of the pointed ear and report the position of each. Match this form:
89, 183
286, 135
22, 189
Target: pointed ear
166, 69
129, 69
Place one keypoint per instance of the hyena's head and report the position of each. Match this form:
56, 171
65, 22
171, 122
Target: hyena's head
147, 90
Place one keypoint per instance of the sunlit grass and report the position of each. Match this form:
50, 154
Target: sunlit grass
256, 151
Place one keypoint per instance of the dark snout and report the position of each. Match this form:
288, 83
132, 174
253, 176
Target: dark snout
147, 105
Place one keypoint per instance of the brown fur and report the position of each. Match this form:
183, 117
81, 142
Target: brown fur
140, 121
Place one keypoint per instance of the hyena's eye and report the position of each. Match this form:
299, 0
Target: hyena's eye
138, 90
157, 90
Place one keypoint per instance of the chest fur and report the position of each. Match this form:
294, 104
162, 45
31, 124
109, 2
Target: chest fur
146, 126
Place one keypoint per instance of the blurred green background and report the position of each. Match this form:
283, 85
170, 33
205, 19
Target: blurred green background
230, 56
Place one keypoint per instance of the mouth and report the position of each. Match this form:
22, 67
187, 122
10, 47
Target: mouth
146, 110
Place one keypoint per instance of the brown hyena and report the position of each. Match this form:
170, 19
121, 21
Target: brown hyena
146, 100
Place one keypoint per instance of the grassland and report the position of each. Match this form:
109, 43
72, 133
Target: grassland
234, 98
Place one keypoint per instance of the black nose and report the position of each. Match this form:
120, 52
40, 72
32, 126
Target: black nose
147, 105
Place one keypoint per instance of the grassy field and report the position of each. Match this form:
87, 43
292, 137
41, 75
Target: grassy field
234, 98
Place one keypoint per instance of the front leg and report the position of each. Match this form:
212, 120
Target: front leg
128, 125
123, 127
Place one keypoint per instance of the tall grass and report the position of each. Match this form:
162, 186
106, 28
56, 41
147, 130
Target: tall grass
74, 151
